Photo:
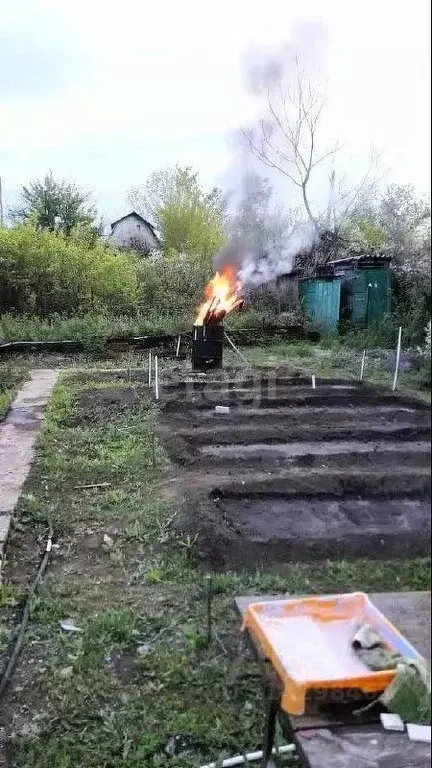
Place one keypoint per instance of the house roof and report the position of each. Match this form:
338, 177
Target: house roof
138, 216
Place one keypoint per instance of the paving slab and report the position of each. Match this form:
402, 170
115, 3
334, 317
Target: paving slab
18, 435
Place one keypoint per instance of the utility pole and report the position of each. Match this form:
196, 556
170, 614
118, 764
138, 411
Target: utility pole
1, 205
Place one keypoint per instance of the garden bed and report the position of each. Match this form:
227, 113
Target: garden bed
296, 473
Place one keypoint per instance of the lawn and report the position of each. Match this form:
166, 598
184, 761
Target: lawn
143, 667
10, 379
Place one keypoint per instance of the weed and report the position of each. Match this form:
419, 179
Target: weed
10, 594
194, 637
154, 575
111, 627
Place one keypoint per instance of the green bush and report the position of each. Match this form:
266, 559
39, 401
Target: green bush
412, 302
42, 273
382, 334
172, 283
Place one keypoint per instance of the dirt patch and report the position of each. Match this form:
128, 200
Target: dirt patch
108, 396
248, 433
292, 415
94, 405
292, 473
250, 533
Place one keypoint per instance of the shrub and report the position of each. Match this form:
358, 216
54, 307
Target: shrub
412, 300
42, 273
382, 334
172, 283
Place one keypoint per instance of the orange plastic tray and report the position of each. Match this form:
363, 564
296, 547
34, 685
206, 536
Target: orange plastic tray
308, 642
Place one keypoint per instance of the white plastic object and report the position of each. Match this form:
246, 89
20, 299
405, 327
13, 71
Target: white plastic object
222, 409
398, 351
391, 722
362, 365
419, 732
156, 375
69, 626
250, 757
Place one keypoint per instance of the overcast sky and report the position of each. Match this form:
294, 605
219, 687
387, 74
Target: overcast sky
105, 93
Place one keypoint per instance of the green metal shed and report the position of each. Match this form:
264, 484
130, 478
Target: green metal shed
321, 302
355, 291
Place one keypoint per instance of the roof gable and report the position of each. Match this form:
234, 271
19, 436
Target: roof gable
135, 215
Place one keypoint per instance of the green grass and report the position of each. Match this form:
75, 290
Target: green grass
93, 328
11, 378
334, 360
141, 669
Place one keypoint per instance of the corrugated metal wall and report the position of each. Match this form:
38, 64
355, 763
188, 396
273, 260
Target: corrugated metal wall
365, 293
321, 302
371, 296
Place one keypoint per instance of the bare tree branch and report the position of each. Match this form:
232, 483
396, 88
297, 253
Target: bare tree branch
287, 140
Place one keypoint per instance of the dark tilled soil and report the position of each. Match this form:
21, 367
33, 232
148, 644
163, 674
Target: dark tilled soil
291, 415
267, 532
233, 459
249, 434
293, 472
299, 397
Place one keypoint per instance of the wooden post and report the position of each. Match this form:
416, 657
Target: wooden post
398, 351
313, 381
362, 365
156, 373
150, 370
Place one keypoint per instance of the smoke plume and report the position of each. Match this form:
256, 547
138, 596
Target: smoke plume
255, 269
266, 236
258, 270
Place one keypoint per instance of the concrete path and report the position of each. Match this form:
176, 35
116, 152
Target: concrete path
17, 442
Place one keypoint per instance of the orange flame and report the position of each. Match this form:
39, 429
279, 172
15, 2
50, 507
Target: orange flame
223, 294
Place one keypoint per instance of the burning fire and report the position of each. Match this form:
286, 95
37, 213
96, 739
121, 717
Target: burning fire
223, 294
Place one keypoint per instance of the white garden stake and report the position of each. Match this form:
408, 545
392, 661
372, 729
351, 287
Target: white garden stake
150, 370
250, 757
156, 373
362, 365
313, 381
398, 351
178, 346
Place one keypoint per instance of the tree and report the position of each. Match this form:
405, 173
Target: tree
189, 219
398, 220
54, 206
287, 140
405, 219
259, 223
87, 234
363, 231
